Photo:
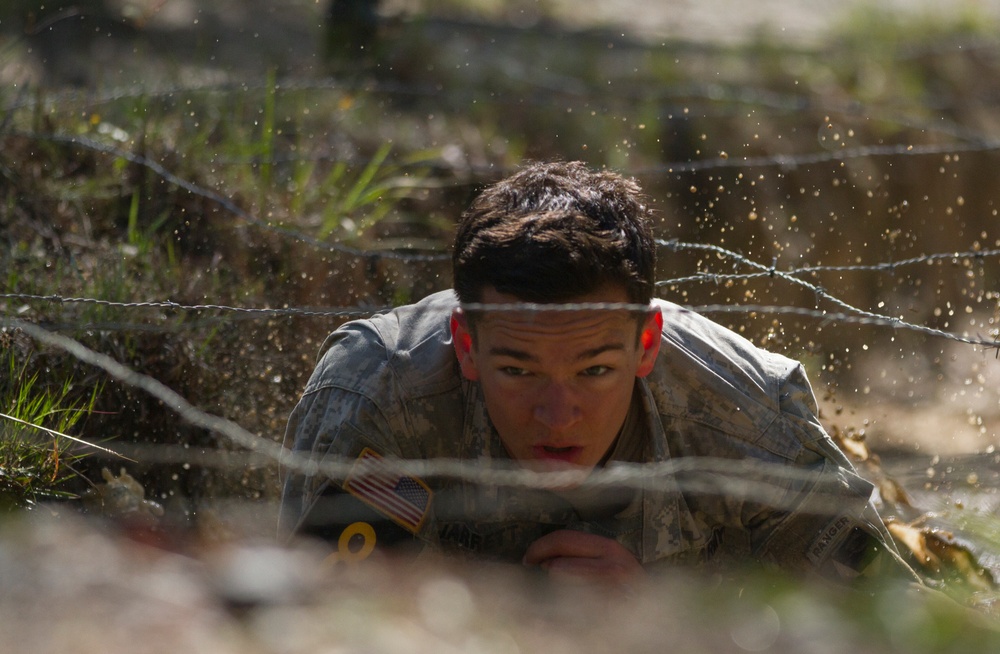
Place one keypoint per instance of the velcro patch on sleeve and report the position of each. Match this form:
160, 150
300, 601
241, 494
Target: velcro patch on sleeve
405, 499
830, 538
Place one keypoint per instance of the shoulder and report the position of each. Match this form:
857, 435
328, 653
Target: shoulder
693, 338
718, 389
411, 345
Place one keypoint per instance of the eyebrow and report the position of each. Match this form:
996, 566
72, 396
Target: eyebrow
521, 355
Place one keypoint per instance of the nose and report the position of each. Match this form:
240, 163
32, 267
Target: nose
557, 407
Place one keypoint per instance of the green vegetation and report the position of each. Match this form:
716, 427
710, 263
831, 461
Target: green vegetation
892, 59
37, 455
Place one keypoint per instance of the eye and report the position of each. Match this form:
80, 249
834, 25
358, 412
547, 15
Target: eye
514, 371
596, 371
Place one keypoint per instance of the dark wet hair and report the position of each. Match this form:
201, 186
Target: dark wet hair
555, 231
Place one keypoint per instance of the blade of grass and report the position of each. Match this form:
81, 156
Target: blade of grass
353, 197
66, 436
266, 149
133, 220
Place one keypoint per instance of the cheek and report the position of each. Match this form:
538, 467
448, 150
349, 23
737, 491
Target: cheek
609, 403
504, 400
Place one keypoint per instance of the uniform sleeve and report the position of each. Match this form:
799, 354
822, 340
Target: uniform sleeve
825, 521
338, 484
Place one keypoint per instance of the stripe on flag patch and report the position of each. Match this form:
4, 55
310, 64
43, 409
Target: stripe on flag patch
403, 498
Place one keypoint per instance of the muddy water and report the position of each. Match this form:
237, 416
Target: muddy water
960, 495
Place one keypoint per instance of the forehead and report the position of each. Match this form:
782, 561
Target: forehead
557, 326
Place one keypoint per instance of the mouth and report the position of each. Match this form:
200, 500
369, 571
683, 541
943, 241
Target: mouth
567, 454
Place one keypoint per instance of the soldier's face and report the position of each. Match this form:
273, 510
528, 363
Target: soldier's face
557, 384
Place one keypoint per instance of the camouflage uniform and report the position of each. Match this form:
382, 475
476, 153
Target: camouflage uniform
391, 384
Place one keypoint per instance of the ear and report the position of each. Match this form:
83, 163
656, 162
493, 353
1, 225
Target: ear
649, 341
461, 339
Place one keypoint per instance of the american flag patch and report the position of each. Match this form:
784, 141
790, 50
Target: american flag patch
404, 499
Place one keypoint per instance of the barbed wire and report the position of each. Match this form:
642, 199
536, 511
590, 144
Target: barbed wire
854, 314
772, 270
848, 314
784, 161
844, 311
793, 161
716, 94
751, 480
778, 160
974, 142
736, 478
345, 312
848, 318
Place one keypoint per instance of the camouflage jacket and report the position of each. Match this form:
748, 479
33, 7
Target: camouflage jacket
753, 474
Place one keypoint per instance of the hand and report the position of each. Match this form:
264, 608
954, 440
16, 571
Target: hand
578, 555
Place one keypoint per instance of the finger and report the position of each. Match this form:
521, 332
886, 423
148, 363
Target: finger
576, 566
567, 543
617, 572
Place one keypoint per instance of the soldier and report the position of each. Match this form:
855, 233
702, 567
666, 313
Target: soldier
551, 354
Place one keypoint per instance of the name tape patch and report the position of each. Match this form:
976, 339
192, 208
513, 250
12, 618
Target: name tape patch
829, 537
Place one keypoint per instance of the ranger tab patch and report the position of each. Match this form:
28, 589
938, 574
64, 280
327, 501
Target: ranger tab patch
403, 498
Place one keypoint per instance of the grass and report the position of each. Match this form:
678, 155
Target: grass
892, 54
37, 456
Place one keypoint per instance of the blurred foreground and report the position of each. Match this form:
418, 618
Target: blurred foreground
71, 585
